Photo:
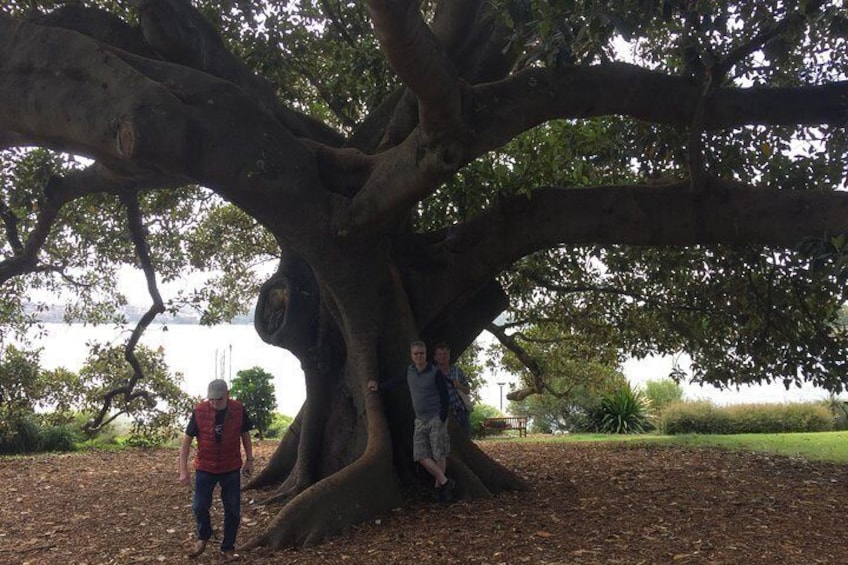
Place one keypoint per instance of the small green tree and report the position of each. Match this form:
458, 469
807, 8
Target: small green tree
254, 389
564, 404
156, 405
660, 393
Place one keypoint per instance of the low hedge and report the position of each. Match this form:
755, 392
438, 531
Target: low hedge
706, 418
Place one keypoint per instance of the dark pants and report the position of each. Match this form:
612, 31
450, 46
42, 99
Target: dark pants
204, 485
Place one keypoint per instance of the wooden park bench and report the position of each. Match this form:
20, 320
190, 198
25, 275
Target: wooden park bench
507, 423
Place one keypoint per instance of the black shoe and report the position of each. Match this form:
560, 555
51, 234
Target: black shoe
445, 490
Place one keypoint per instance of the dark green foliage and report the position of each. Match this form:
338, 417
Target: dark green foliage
255, 389
59, 438
279, 426
576, 392
157, 411
706, 418
51, 407
26, 433
19, 433
478, 414
623, 411
839, 409
146, 438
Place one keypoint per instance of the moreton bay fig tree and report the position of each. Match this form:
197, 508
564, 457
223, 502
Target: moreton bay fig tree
404, 161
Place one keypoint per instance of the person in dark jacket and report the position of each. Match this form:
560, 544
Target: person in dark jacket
221, 427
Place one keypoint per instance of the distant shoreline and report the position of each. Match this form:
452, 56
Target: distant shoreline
55, 314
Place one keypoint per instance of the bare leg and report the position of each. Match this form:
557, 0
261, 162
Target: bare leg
443, 465
435, 468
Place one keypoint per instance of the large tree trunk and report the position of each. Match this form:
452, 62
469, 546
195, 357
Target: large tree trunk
348, 455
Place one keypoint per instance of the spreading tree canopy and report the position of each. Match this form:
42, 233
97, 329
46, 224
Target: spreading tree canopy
651, 175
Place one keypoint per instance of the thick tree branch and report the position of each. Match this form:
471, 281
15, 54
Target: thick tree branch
58, 192
400, 177
409, 172
98, 24
506, 108
452, 22
138, 114
539, 383
668, 215
129, 198
544, 282
180, 34
521, 354
480, 50
343, 171
422, 64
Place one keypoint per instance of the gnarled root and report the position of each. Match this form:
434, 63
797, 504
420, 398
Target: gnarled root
361, 491
283, 460
484, 470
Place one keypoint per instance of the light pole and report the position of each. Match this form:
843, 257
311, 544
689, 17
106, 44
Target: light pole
501, 384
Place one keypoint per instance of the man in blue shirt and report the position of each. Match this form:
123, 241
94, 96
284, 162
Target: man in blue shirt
429, 391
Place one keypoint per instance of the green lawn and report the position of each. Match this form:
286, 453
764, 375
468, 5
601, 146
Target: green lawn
820, 446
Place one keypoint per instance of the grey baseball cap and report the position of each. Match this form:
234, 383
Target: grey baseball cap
217, 389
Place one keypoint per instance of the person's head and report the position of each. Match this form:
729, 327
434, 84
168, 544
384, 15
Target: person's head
218, 394
418, 353
441, 354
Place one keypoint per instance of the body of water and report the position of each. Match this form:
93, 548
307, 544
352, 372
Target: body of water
203, 353
200, 353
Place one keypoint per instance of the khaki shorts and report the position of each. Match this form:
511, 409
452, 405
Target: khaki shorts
430, 439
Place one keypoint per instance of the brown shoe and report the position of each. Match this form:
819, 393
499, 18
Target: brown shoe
199, 547
229, 556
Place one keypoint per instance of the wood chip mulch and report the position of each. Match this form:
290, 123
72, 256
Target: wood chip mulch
588, 503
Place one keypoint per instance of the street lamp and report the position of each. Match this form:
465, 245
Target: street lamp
501, 384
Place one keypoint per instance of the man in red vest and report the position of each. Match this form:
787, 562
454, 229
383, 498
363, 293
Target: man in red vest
220, 425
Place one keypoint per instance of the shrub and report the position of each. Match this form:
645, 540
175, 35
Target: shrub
623, 411
480, 413
23, 433
279, 425
144, 440
700, 417
19, 433
59, 438
839, 410
705, 418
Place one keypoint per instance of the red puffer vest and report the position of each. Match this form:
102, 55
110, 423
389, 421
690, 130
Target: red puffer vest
214, 457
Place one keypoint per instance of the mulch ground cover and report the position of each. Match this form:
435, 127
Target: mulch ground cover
588, 503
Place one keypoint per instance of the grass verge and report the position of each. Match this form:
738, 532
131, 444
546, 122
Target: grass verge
817, 446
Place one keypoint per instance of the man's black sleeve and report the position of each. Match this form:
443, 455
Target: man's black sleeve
191, 428
444, 399
246, 422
